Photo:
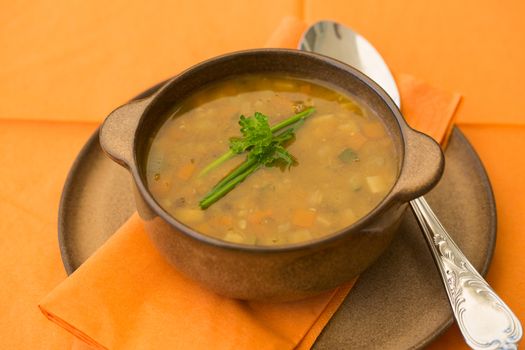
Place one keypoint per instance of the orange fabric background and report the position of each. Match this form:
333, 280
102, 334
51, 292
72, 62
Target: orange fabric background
74, 61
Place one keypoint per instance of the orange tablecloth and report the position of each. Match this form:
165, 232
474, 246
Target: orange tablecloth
66, 64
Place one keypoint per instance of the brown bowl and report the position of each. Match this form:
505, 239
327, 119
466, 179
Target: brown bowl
282, 272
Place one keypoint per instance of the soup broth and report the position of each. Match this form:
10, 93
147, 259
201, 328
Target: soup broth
345, 162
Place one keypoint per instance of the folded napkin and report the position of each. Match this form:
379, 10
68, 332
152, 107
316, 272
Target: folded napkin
127, 297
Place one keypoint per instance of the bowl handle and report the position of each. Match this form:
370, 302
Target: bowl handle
423, 166
118, 131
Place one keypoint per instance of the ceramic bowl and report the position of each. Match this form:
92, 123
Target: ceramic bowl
273, 273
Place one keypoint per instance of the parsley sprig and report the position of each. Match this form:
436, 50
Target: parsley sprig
254, 131
265, 145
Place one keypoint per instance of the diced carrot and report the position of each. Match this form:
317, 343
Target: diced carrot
258, 216
204, 228
373, 130
304, 217
356, 141
225, 220
186, 171
162, 186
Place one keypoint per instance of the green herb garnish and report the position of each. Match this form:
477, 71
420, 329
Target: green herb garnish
255, 131
265, 146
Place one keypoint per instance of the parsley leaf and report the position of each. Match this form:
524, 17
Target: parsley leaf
256, 133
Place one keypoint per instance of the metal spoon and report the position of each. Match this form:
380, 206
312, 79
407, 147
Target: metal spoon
485, 321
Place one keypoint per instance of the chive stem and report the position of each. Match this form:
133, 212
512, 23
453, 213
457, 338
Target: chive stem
236, 172
293, 119
223, 158
218, 192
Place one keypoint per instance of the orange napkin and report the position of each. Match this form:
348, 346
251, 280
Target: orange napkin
127, 297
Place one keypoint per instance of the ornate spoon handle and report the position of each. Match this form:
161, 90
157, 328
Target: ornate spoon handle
485, 320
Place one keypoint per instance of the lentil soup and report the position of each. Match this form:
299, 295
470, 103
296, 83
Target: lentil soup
345, 161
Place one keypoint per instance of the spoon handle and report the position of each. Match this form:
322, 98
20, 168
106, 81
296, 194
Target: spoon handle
484, 319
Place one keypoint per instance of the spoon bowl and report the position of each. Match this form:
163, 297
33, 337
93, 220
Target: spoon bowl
336, 41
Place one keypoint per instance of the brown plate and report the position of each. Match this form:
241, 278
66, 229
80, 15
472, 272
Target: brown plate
398, 303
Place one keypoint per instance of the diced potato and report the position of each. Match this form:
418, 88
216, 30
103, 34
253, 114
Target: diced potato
242, 224
356, 182
189, 215
315, 198
322, 126
324, 221
376, 184
374, 165
348, 216
299, 236
350, 127
234, 237
155, 163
